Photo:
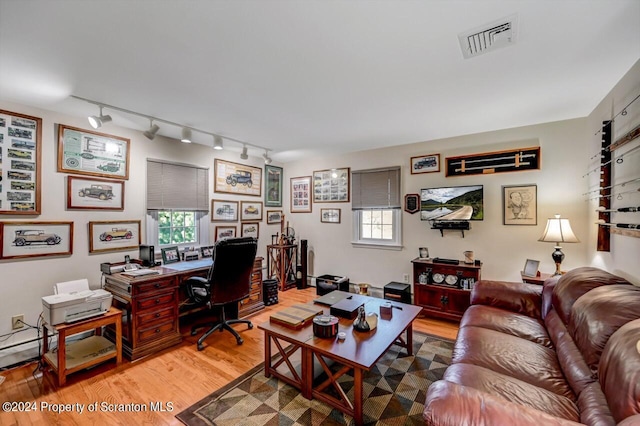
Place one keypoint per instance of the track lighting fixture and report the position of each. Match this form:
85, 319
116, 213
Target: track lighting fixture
267, 159
244, 155
97, 121
217, 143
186, 135
153, 129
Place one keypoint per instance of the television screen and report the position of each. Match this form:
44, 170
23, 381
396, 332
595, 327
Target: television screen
452, 203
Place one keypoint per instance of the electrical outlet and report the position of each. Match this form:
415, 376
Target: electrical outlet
17, 322
405, 277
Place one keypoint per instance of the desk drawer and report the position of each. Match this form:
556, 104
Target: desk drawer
253, 298
159, 315
155, 285
156, 301
150, 333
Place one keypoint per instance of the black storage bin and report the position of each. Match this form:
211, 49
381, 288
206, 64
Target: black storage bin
270, 292
327, 283
398, 291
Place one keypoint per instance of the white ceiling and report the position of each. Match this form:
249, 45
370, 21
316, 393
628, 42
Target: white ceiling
313, 77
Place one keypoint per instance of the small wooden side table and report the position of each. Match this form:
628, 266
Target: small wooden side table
539, 279
72, 357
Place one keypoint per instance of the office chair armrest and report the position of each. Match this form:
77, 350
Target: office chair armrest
198, 288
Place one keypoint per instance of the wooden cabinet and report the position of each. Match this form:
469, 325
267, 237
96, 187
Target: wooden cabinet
440, 299
255, 301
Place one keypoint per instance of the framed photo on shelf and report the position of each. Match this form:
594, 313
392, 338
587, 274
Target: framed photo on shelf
94, 194
225, 232
330, 215
250, 210
20, 163
520, 205
224, 211
86, 152
531, 268
425, 164
250, 229
332, 186
235, 178
301, 194
35, 239
274, 216
206, 251
273, 186
170, 255
114, 235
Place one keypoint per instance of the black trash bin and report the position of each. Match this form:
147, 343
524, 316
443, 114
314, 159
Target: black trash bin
328, 283
270, 292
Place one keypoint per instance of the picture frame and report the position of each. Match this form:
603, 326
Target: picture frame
412, 203
330, 215
236, 178
272, 186
301, 201
250, 229
85, 152
224, 211
429, 163
486, 163
20, 163
114, 235
332, 185
250, 211
274, 216
85, 193
520, 205
170, 255
225, 232
22, 240
531, 268
206, 252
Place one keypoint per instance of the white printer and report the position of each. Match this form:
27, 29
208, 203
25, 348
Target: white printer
74, 301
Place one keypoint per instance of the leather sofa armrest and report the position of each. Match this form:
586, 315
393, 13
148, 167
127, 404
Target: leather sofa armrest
451, 404
516, 297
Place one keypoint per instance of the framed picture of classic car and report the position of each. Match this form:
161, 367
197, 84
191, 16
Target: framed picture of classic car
250, 210
330, 215
35, 239
114, 235
94, 194
250, 229
224, 211
425, 164
274, 216
332, 186
225, 232
235, 178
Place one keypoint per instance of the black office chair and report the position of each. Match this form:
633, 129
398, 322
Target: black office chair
228, 281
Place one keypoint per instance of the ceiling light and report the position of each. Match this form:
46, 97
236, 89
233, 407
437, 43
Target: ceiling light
267, 159
244, 155
153, 129
217, 143
98, 120
186, 135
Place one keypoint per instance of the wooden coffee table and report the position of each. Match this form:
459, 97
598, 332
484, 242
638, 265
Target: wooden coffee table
301, 353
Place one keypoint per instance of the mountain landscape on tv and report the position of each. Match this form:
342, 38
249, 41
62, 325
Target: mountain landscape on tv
452, 203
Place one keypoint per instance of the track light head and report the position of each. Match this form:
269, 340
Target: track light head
151, 133
267, 159
97, 121
217, 143
186, 135
244, 155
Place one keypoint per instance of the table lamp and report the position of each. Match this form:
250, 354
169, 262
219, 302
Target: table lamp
558, 231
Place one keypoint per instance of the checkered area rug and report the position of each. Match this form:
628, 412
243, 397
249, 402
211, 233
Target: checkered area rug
394, 393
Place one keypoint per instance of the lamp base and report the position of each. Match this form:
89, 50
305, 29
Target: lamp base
558, 257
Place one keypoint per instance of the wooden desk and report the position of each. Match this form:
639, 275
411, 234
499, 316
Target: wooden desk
62, 364
152, 304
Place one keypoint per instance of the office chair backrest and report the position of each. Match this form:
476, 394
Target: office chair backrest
230, 274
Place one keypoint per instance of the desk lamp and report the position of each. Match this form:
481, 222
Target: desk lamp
558, 231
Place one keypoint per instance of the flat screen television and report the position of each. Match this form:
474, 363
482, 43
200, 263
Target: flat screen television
452, 203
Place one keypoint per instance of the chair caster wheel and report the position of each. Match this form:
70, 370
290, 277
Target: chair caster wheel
250, 326
200, 347
194, 332
240, 341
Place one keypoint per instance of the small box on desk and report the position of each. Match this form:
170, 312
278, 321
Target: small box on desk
400, 292
296, 316
346, 308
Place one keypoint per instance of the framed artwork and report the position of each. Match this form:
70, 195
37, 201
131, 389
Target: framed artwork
225, 232
512, 160
114, 235
331, 186
273, 186
520, 205
330, 215
206, 251
412, 203
250, 210
425, 164
235, 178
35, 239
20, 163
250, 229
274, 216
170, 255
531, 268
86, 152
301, 194
94, 194
224, 211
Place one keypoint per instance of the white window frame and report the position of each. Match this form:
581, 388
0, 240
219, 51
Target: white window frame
202, 223
393, 244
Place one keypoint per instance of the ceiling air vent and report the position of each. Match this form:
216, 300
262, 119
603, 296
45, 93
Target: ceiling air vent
489, 37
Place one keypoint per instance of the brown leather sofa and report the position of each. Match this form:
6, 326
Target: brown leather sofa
564, 353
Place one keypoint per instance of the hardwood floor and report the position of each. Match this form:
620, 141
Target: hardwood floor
173, 379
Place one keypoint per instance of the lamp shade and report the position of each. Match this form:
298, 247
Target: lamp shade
558, 230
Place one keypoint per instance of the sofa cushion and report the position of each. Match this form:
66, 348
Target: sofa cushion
593, 406
515, 297
600, 313
519, 325
513, 356
577, 282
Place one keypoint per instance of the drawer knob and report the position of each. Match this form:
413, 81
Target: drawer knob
157, 301
158, 315
157, 285
157, 330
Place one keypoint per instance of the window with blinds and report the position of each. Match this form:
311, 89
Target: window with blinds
172, 186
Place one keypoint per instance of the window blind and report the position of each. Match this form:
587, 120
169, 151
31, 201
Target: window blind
376, 188
177, 186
